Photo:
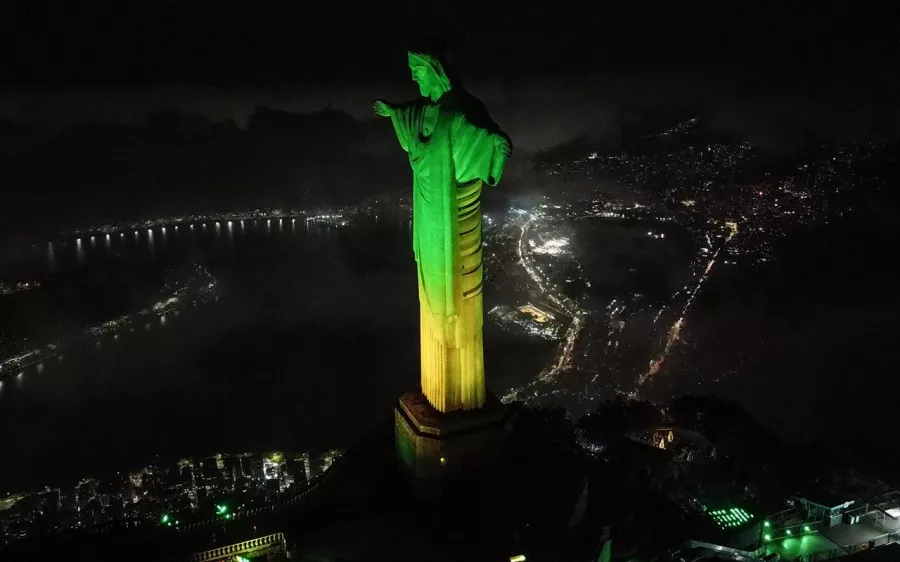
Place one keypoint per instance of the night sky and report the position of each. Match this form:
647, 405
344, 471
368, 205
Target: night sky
286, 43
778, 74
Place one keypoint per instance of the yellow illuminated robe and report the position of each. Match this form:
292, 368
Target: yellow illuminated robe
449, 167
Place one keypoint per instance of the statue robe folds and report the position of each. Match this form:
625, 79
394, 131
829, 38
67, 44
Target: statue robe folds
464, 150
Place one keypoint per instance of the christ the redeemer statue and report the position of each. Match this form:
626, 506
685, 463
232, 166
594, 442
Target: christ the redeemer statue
454, 148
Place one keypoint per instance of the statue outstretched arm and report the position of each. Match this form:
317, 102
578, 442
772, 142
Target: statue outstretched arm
403, 118
480, 149
382, 108
502, 152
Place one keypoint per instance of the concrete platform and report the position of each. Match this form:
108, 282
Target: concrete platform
438, 449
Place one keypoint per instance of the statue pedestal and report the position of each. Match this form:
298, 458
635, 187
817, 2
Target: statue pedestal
448, 451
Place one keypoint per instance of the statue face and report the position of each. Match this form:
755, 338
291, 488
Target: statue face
424, 76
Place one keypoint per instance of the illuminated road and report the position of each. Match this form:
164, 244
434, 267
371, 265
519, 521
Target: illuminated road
564, 355
201, 287
563, 358
674, 333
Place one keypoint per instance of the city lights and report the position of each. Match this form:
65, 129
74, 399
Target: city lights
548, 257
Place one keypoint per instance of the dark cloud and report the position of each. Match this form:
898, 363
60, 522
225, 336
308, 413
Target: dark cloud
104, 152
540, 111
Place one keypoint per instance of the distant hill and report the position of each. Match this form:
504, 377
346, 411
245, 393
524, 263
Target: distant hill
178, 162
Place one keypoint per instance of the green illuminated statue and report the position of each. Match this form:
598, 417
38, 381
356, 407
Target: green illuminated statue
454, 148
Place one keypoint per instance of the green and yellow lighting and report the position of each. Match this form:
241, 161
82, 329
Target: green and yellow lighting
730, 517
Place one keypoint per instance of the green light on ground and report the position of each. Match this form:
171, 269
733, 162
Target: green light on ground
766, 524
221, 509
767, 536
788, 532
165, 518
806, 529
731, 517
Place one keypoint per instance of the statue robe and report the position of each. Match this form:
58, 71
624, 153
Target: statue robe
464, 150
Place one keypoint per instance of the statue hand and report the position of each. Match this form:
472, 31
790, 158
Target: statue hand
382, 108
503, 146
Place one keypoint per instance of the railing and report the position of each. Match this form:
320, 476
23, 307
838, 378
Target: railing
837, 552
242, 548
715, 549
880, 540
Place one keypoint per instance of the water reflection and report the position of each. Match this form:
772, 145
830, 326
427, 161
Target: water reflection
79, 250
107, 241
150, 239
51, 256
268, 226
230, 231
280, 225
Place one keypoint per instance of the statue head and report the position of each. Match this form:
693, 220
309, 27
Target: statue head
429, 73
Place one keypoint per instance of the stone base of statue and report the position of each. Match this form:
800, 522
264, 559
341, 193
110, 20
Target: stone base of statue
450, 452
